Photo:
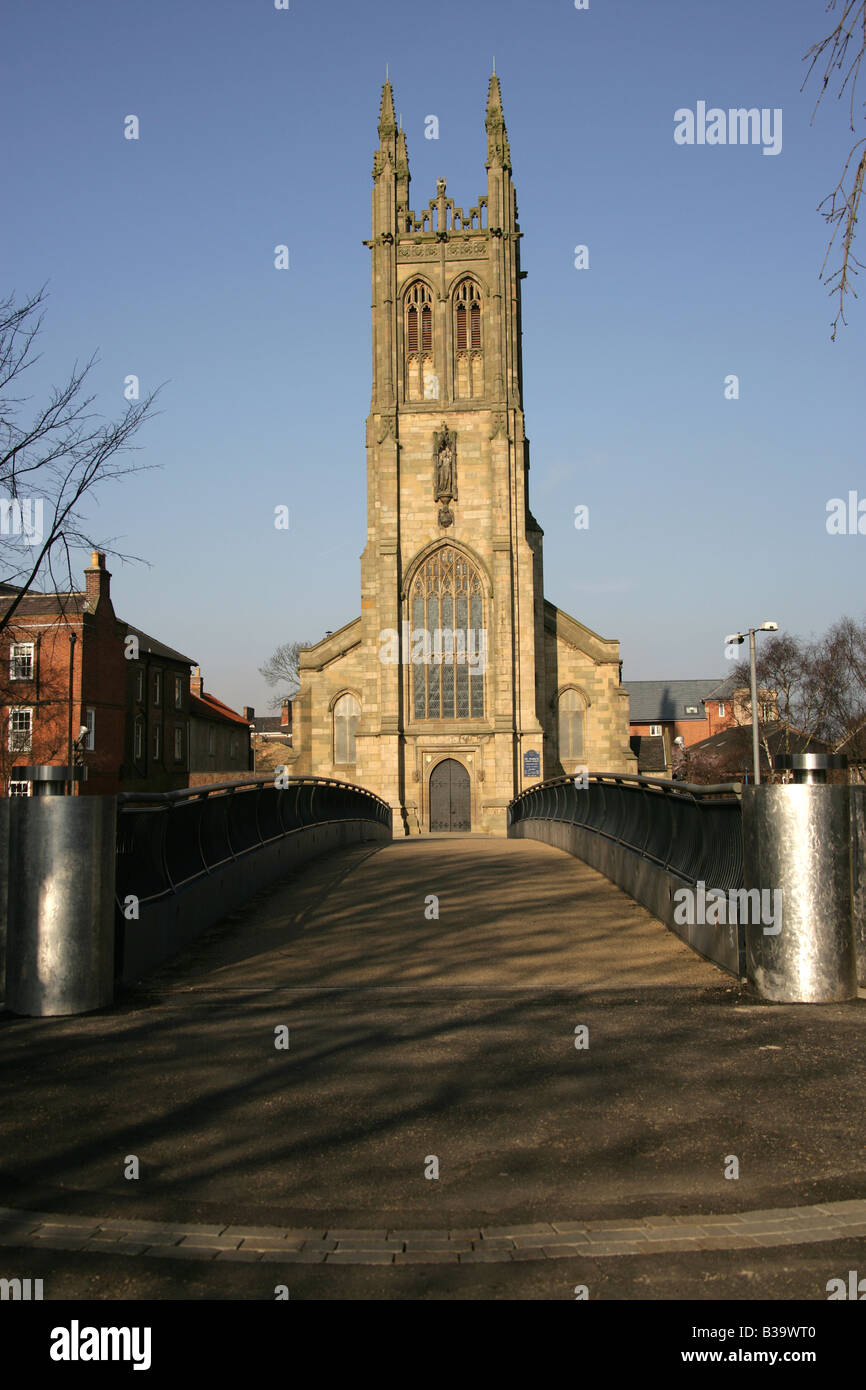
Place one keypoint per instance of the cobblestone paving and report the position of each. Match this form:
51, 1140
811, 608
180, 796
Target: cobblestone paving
650, 1235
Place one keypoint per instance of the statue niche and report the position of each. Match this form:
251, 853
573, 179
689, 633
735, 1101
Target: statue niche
445, 465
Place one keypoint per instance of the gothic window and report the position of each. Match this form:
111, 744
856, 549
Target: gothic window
572, 721
347, 712
468, 359
448, 640
421, 382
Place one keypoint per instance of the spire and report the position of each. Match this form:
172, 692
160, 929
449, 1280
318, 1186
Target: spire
498, 151
387, 123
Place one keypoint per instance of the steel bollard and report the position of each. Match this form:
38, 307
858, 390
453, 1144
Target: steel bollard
60, 948
797, 839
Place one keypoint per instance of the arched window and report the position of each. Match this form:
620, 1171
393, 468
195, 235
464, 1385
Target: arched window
572, 726
347, 712
468, 361
421, 381
448, 639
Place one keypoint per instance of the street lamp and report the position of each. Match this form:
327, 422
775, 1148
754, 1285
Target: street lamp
735, 638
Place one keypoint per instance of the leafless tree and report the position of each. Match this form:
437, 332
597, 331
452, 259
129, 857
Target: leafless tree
282, 669
50, 462
842, 51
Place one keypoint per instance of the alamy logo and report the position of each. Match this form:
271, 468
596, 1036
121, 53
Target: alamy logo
856, 1288
76, 1343
21, 1290
736, 126
443, 646
23, 516
717, 908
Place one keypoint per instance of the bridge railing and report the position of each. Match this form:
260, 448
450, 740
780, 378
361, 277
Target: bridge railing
650, 836
168, 840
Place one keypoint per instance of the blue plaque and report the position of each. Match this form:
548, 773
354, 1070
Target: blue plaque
531, 763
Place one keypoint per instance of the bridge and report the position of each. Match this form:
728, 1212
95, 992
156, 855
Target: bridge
448, 1066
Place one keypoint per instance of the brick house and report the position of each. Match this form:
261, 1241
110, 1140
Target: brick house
68, 663
272, 737
667, 714
220, 742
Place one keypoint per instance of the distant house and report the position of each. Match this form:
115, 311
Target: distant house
220, 742
660, 712
272, 737
667, 716
727, 756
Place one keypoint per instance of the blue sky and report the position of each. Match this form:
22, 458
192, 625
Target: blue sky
257, 127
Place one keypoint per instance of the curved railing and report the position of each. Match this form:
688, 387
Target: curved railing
657, 840
691, 831
168, 840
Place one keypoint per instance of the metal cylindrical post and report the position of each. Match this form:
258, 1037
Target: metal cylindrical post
797, 842
60, 952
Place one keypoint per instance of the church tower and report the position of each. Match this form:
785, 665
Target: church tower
439, 697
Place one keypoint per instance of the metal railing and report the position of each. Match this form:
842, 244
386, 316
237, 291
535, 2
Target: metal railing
167, 840
692, 832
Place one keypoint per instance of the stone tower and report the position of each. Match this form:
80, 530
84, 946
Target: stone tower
445, 697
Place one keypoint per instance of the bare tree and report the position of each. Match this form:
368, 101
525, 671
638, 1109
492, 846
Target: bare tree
282, 669
843, 50
51, 462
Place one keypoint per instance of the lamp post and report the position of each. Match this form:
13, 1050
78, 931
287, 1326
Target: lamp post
736, 638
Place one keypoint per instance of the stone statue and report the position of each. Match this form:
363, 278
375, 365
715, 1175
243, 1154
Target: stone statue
445, 471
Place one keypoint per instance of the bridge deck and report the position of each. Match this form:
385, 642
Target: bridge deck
452, 1037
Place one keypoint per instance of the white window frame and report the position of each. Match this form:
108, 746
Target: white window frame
157, 742
178, 743
13, 745
157, 688
655, 730
90, 721
16, 652
15, 785
139, 686
178, 692
721, 710
138, 740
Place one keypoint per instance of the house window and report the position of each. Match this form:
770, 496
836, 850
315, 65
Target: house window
767, 713
157, 687
157, 741
420, 377
21, 661
211, 739
572, 720
691, 709
347, 712
178, 693
448, 639
139, 686
17, 788
655, 730
721, 711
90, 737
178, 743
20, 730
138, 744
233, 747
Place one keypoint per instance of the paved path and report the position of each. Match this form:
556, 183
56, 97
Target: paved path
413, 1038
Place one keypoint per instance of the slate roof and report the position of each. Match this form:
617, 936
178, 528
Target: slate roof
150, 644
270, 724
651, 702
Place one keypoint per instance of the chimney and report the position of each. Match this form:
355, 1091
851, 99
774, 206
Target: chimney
249, 714
286, 715
97, 580
196, 684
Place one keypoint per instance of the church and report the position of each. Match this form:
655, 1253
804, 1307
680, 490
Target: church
459, 685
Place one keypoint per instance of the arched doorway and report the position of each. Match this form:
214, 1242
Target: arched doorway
449, 796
